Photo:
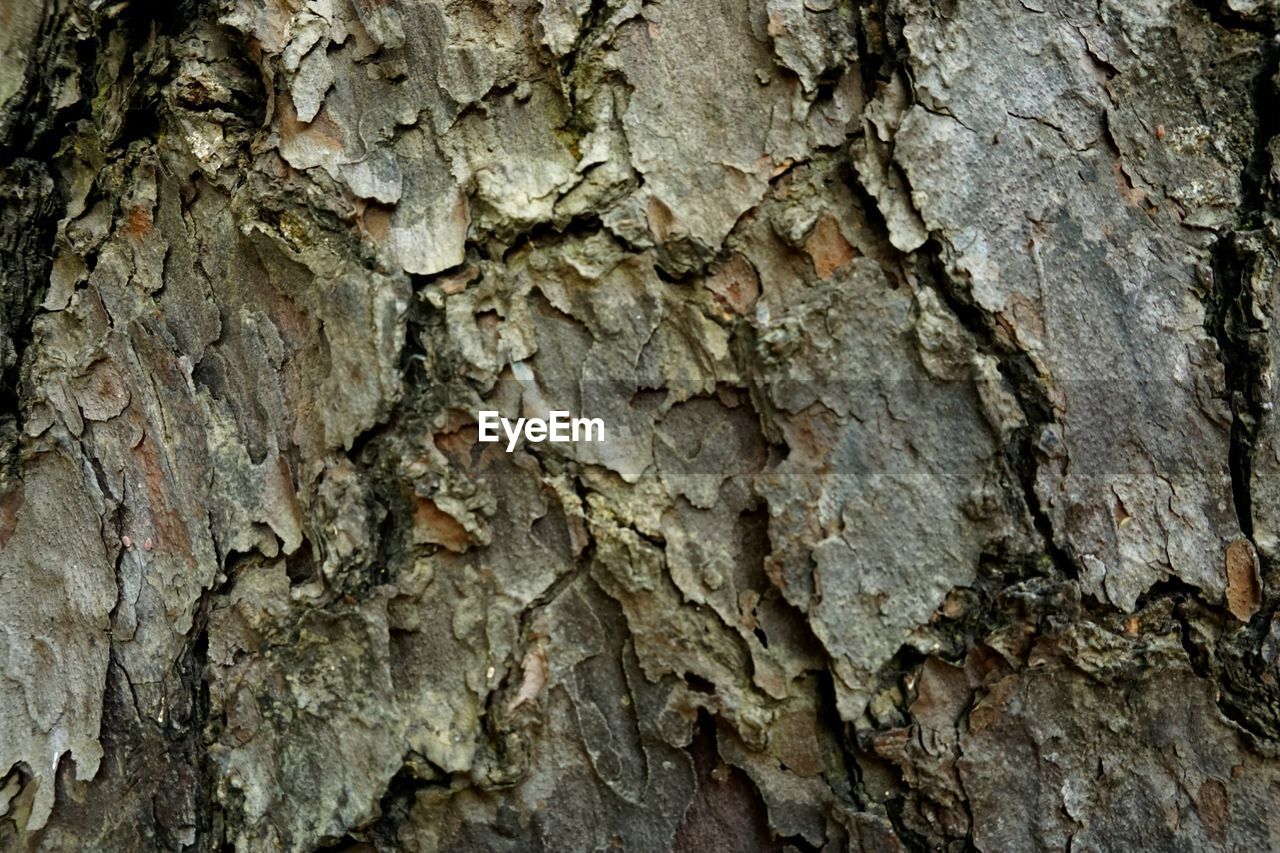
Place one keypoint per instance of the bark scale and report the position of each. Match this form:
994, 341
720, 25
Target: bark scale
934, 341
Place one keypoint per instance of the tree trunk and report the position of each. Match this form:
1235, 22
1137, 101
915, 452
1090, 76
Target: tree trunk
938, 504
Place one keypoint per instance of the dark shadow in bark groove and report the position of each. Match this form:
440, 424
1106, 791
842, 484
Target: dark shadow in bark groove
727, 813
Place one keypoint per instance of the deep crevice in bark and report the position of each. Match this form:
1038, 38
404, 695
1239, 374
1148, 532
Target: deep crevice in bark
1240, 326
1021, 375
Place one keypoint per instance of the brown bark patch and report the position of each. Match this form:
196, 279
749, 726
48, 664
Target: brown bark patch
1244, 587
827, 247
735, 285
436, 527
137, 222
1214, 809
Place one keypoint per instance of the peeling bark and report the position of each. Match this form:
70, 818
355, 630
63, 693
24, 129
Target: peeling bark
940, 507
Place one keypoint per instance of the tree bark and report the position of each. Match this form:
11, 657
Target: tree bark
939, 506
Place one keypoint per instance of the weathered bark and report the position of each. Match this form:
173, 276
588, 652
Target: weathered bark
934, 340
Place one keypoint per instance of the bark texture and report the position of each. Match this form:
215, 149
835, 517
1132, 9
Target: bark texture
935, 340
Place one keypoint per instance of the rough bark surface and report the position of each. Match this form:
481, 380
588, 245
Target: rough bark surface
936, 344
